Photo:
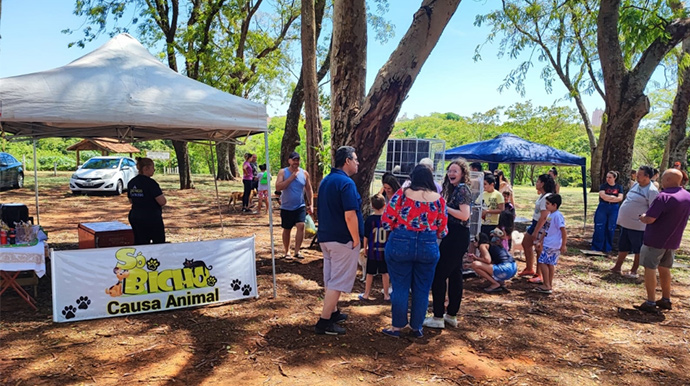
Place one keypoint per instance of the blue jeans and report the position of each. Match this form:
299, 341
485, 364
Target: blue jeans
411, 258
604, 226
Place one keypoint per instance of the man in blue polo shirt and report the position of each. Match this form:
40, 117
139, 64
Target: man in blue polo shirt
340, 227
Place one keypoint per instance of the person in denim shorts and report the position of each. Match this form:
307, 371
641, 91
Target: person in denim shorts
494, 263
553, 243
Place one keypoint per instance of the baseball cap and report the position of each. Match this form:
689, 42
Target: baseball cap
293, 155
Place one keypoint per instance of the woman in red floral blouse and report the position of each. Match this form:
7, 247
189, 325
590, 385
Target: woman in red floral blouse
416, 217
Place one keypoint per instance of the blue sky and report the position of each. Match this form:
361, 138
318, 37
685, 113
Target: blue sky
450, 81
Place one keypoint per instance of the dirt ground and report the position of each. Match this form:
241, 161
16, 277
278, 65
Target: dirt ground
586, 333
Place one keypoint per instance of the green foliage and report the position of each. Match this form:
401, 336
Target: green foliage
558, 35
641, 24
276, 128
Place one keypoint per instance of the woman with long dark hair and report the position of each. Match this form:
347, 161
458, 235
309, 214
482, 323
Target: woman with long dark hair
606, 215
554, 174
389, 185
545, 187
247, 181
416, 217
453, 247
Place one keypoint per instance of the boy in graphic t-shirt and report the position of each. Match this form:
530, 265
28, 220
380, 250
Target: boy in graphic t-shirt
374, 245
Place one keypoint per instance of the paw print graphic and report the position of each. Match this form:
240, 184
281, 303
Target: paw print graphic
69, 312
152, 264
246, 289
211, 281
83, 302
236, 284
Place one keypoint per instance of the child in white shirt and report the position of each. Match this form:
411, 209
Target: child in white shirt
554, 243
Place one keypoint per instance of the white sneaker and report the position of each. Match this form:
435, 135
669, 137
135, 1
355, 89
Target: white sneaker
452, 320
433, 322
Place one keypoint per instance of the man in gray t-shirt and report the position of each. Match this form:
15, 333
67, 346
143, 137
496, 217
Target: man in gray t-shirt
637, 201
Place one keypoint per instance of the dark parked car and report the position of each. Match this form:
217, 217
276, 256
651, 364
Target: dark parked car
11, 172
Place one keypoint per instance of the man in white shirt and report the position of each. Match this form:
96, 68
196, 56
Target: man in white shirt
637, 201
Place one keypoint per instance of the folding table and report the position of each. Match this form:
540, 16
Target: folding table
13, 260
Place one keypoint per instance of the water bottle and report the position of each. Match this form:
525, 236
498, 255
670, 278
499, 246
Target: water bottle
12, 236
3, 237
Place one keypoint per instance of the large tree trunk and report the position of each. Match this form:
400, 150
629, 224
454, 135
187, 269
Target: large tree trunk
621, 129
232, 159
291, 138
626, 103
595, 162
224, 171
366, 126
183, 164
348, 71
227, 163
311, 95
678, 142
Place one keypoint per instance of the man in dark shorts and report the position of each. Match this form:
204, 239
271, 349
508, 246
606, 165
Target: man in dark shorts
637, 201
666, 220
340, 227
293, 183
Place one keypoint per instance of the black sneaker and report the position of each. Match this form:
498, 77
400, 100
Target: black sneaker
332, 329
338, 317
664, 304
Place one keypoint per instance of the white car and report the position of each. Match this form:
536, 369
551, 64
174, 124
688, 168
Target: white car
103, 174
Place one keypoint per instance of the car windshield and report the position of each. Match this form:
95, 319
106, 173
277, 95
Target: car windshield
100, 163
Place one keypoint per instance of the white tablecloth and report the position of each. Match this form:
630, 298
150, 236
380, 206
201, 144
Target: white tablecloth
31, 258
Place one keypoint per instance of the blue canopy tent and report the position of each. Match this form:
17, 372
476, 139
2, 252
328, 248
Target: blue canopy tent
510, 149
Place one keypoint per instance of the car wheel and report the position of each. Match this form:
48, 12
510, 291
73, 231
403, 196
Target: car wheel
118, 188
19, 183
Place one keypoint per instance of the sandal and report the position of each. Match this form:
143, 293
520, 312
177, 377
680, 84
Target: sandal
287, 256
299, 256
391, 332
536, 280
543, 291
494, 290
526, 272
361, 297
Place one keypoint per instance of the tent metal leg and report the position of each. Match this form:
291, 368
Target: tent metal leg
38, 216
270, 218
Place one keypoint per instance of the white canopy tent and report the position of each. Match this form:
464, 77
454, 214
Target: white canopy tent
121, 91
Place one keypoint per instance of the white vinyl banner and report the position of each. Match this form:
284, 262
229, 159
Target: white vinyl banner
121, 281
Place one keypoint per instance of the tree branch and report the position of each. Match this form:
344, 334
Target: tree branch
679, 30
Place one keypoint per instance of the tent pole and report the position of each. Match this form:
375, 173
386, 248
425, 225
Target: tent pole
38, 217
215, 182
584, 196
512, 174
270, 217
